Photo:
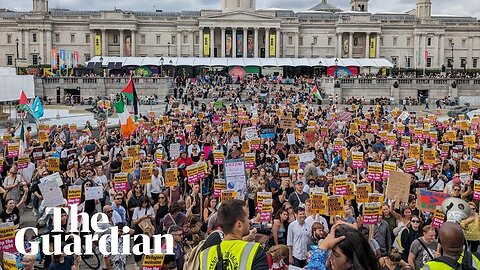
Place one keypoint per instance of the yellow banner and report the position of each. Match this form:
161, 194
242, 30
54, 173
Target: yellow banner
373, 47
206, 45
98, 45
273, 48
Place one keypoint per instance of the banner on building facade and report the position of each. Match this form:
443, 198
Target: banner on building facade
98, 44
273, 48
228, 45
206, 44
250, 45
75, 59
127, 48
240, 45
373, 47
69, 59
54, 58
62, 58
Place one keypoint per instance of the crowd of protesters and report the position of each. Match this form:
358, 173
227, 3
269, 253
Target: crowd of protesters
321, 139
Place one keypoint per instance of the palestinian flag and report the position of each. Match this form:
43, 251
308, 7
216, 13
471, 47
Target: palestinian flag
126, 121
23, 101
316, 93
131, 94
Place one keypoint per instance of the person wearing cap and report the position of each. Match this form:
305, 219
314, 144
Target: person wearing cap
298, 197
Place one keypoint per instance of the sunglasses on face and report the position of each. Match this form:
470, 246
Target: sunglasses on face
415, 221
118, 198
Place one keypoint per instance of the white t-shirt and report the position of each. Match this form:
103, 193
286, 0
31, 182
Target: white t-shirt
140, 212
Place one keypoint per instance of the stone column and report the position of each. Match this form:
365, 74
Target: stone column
255, 50
223, 42
200, 43
267, 43
234, 42
339, 45
48, 56
296, 44
377, 53
92, 43
122, 43
470, 52
277, 45
134, 43
367, 46
350, 45
27, 44
416, 50
104, 43
192, 43
441, 55
41, 45
245, 42
212, 41
179, 44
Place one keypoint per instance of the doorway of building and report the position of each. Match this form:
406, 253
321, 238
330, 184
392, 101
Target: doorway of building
75, 93
422, 96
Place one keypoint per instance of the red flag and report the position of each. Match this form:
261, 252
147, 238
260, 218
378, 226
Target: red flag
23, 101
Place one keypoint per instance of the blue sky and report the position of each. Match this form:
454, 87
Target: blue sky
440, 7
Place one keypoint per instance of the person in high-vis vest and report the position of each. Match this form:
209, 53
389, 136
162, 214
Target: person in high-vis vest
454, 255
233, 253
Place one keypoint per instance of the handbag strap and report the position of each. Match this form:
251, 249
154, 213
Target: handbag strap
426, 248
219, 265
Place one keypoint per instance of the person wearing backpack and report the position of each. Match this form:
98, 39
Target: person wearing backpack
454, 255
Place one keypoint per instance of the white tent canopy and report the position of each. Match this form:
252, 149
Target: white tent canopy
243, 62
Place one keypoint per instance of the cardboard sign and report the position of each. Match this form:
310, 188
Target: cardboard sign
375, 171
340, 185
371, 213
7, 237
53, 164
357, 160
335, 205
318, 201
23, 161
294, 162
218, 186
171, 177
50, 192
398, 186
13, 150
153, 261
429, 200
93, 193
249, 160
288, 123
127, 164
145, 176
438, 218
74, 195
218, 157
363, 190
120, 182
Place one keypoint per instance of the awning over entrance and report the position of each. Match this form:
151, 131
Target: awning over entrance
243, 62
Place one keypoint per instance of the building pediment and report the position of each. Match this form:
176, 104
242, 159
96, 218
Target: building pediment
238, 15
232, 19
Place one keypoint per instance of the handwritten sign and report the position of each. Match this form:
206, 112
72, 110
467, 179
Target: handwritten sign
429, 200
398, 186
50, 192
93, 193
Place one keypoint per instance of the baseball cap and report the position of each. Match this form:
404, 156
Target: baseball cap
298, 182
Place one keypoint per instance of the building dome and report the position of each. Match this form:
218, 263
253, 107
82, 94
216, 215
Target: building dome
324, 6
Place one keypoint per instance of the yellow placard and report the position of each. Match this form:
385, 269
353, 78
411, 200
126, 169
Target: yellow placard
335, 206
133, 151
171, 177
42, 136
429, 156
318, 202
227, 126
53, 164
206, 44
228, 195
98, 44
470, 141
414, 151
373, 46
273, 45
127, 164
152, 261
145, 176
294, 162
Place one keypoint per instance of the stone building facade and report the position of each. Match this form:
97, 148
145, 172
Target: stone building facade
414, 39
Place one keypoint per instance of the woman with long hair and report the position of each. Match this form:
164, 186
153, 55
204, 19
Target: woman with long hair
143, 214
344, 249
279, 233
275, 257
409, 234
392, 261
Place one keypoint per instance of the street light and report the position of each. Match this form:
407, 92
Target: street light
453, 44
40, 64
320, 68
464, 63
336, 67
101, 65
168, 47
161, 62
171, 64
16, 59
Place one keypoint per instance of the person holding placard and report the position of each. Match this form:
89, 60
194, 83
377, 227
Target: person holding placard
471, 227
11, 213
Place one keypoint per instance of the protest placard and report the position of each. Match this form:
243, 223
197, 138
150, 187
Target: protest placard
13, 150
318, 201
192, 174
288, 123
245, 147
371, 213
255, 144
410, 165
260, 197
388, 167
171, 177
127, 164
133, 151
7, 237
120, 182
236, 177
475, 165
9, 261
428, 200
266, 210
218, 157
306, 157
438, 217
175, 150
93, 193
375, 171
227, 195
340, 185
218, 186
357, 160
145, 175
2, 160
294, 162
376, 197
53, 164
50, 192
42, 136
405, 141
335, 206
414, 151
337, 145
398, 187
53, 177
250, 160
363, 190
74, 195
153, 261
284, 169
291, 139
476, 190
23, 161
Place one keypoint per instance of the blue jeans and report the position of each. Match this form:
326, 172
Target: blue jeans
299, 263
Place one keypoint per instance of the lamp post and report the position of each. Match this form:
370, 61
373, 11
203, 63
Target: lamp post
453, 45
161, 63
320, 68
101, 66
464, 63
16, 65
336, 68
40, 64
171, 64
168, 48
311, 46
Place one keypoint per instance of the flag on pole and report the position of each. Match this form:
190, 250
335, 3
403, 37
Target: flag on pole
23, 142
316, 93
131, 94
37, 109
126, 121
23, 101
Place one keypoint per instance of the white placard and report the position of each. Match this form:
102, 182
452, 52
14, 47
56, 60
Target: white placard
290, 139
306, 157
53, 177
175, 150
250, 133
51, 193
93, 193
